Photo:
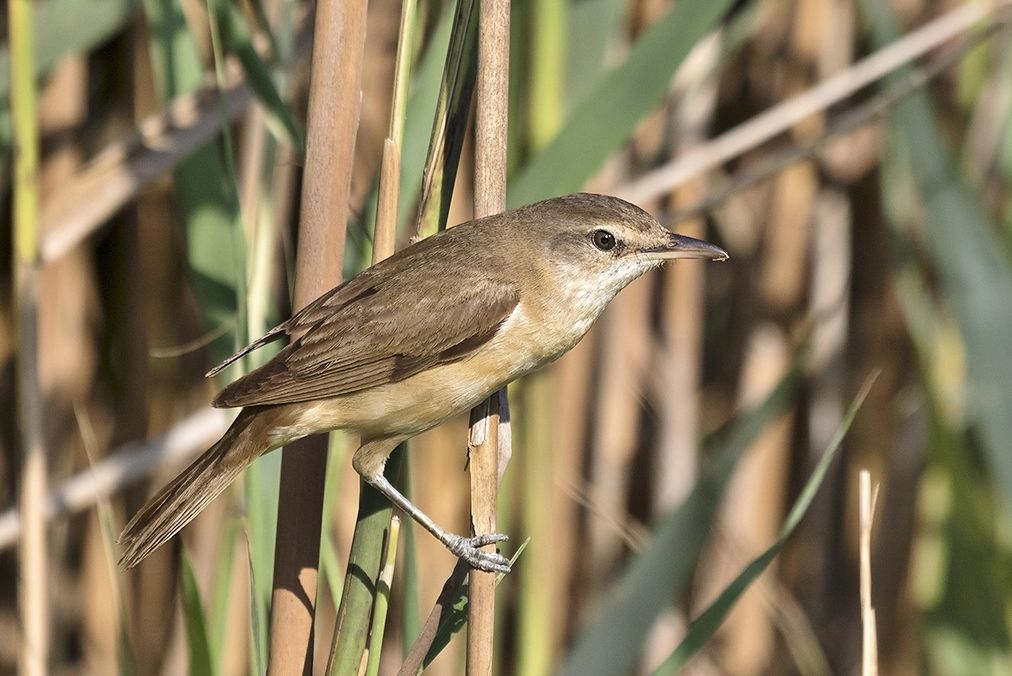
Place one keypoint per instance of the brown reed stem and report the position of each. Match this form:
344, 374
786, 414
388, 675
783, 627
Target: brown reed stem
334, 101
489, 198
358, 625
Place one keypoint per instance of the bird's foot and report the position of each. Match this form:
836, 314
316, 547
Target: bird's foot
468, 550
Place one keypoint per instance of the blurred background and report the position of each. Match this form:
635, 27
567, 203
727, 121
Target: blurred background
654, 462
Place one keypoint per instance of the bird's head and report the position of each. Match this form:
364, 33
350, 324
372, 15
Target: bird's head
605, 242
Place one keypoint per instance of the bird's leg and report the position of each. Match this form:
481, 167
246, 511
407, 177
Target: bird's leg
465, 548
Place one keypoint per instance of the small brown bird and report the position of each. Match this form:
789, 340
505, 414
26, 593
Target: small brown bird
419, 337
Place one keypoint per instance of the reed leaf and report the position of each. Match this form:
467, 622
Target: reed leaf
65, 27
660, 574
450, 123
61, 27
363, 594
421, 110
706, 625
592, 26
456, 617
237, 40
619, 100
201, 663
208, 202
974, 272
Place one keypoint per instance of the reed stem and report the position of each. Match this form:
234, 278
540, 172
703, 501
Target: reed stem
485, 451
33, 602
334, 98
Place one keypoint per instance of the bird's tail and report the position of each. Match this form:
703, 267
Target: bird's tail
181, 500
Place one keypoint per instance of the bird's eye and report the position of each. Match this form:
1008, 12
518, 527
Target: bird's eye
603, 240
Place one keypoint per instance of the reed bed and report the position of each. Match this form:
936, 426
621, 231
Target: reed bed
793, 462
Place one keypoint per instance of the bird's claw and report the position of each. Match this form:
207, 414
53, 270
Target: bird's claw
469, 551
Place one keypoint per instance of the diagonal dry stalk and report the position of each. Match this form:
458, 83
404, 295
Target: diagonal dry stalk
485, 447
123, 467
122, 169
334, 100
783, 116
848, 121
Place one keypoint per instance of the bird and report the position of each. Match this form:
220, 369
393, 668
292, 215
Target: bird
419, 337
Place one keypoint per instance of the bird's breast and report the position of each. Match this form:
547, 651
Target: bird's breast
525, 341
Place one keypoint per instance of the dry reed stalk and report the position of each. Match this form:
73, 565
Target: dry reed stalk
751, 512
334, 98
828, 311
115, 176
624, 353
571, 386
67, 359
791, 250
796, 218
752, 509
161, 141
33, 595
848, 148
487, 451
67, 368
260, 214
108, 188
783, 116
484, 442
682, 292
783, 266
123, 467
101, 603
385, 235
680, 352
252, 152
146, 282
625, 347
869, 634
267, 169
360, 621
258, 157
33, 571
102, 593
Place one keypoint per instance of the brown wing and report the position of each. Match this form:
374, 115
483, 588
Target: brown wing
317, 312
363, 334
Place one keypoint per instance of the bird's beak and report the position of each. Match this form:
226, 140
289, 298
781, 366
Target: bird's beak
680, 246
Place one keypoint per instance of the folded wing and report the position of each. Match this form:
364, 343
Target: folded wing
363, 334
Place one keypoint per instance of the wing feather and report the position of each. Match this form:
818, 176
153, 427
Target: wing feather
364, 336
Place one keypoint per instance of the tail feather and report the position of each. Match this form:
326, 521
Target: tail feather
185, 496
